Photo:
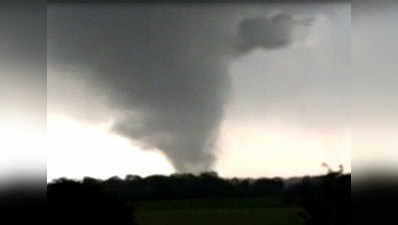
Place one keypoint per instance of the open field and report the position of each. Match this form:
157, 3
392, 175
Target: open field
234, 211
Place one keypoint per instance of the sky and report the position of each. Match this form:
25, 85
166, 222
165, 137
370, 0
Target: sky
246, 90
374, 50
22, 91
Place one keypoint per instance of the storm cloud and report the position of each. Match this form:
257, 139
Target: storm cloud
160, 73
271, 32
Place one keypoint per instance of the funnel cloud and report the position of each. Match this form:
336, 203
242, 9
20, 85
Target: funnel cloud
161, 73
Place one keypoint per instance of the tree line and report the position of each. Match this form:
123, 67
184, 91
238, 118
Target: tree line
326, 198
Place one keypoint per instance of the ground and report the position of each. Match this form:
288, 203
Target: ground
233, 211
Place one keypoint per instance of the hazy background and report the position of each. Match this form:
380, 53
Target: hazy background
22, 91
374, 72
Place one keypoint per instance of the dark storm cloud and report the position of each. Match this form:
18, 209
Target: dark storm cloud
268, 33
161, 71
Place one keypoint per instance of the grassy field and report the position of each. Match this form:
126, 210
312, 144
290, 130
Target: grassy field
259, 211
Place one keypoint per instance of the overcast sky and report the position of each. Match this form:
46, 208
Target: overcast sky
22, 91
375, 82
246, 90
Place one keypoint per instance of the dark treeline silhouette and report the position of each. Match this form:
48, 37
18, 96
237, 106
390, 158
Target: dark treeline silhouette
77, 203
326, 198
179, 186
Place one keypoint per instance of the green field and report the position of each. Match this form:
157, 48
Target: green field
259, 211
